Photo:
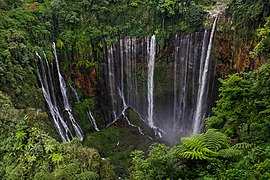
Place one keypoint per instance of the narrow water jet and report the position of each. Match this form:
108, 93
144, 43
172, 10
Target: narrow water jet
150, 80
75, 93
92, 119
199, 115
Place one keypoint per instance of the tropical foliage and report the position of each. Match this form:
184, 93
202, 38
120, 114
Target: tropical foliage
237, 150
247, 16
78, 28
28, 152
236, 142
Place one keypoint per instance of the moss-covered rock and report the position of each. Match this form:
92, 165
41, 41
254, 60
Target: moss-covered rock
117, 142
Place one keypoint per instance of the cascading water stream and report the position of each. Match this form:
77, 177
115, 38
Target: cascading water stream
55, 110
172, 105
67, 106
49, 96
92, 120
150, 80
75, 93
111, 79
199, 115
121, 94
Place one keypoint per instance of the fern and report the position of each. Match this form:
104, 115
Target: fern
193, 143
196, 149
214, 139
196, 155
204, 146
88, 175
229, 153
62, 174
242, 146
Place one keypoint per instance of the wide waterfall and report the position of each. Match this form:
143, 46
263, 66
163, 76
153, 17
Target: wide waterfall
58, 105
173, 93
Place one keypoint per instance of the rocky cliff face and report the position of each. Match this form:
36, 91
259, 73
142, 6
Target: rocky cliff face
233, 56
178, 75
121, 78
85, 79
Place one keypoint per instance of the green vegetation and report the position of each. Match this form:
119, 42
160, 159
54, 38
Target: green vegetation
238, 146
116, 142
247, 16
263, 34
28, 152
79, 28
239, 149
235, 145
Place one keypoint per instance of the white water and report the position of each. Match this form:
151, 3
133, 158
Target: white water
49, 97
92, 120
111, 79
67, 106
123, 98
199, 115
75, 93
122, 66
150, 80
129, 80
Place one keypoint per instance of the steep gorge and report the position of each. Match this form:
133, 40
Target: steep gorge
121, 79
135, 80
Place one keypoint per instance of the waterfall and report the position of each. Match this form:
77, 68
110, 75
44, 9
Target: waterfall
199, 115
67, 106
92, 120
170, 105
123, 98
49, 96
150, 80
75, 93
111, 79
55, 109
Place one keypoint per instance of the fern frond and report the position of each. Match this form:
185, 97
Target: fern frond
196, 149
204, 154
193, 143
242, 146
194, 155
215, 139
229, 153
